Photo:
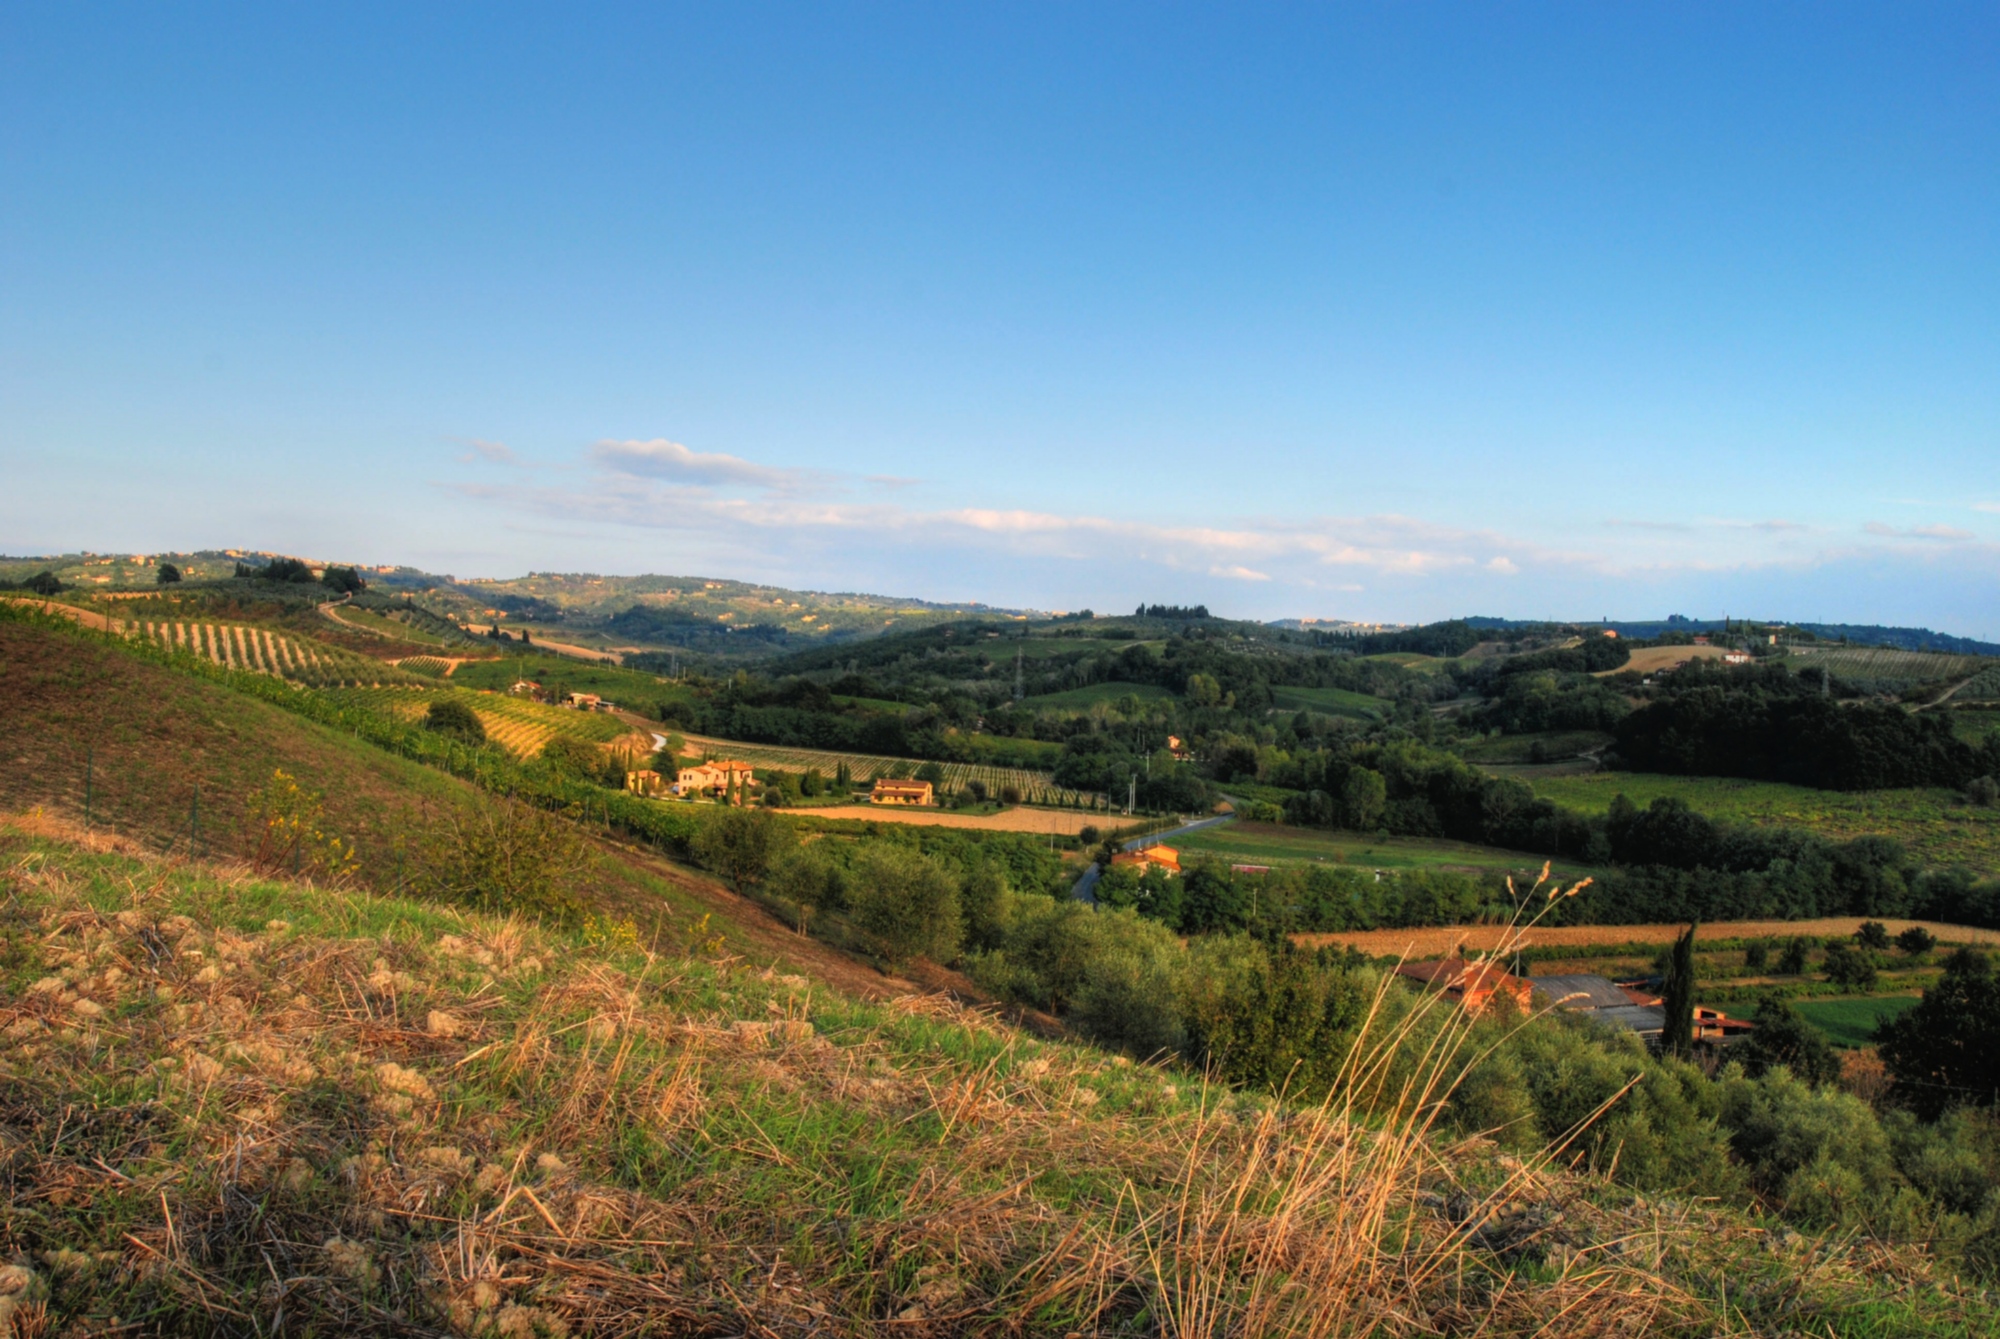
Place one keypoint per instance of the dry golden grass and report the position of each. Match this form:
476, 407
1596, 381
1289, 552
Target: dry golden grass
231, 1106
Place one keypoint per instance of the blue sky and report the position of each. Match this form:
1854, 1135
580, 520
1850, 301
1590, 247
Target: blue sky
1385, 312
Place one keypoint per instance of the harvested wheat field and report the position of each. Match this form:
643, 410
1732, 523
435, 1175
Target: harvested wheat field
1061, 822
1650, 659
1437, 941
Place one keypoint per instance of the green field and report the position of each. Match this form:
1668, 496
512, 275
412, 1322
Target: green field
1936, 825
1410, 660
631, 689
1973, 726
1091, 694
1333, 702
1851, 1021
1270, 844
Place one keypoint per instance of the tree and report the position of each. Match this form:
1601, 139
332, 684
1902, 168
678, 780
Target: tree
1983, 791
740, 844
43, 583
1848, 967
284, 569
167, 575
1940, 1054
453, 719
1363, 797
1916, 941
806, 878
1677, 999
1792, 962
1756, 956
572, 756
1783, 1038
344, 579
1873, 936
932, 773
908, 901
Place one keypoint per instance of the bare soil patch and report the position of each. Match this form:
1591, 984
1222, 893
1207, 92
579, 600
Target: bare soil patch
1436, 941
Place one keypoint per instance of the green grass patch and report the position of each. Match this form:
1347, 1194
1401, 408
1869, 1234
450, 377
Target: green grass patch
1271, 844
1851, 1021
1333, 702
1091, 694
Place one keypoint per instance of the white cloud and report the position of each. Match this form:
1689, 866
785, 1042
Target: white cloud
824, 530
662, 459
1986, 506
1948, 533
493, 453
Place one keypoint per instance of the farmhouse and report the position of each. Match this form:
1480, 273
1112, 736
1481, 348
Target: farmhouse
645, 782
887, 791
712, 778
1151, 857
524, 688
1471, 985
1635, 1007
584, 702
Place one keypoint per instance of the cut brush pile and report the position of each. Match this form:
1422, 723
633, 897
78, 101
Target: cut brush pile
234, 1106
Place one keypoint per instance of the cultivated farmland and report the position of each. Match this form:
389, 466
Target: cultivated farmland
248, 647
1035, 787
1887, 662
519, 725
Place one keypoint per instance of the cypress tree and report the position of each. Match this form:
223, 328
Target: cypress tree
1677, 998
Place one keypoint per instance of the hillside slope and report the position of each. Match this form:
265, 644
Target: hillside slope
145, 739
235, 1106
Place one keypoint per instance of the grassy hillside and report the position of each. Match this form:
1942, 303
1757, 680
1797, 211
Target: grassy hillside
1937, 825
242, 1106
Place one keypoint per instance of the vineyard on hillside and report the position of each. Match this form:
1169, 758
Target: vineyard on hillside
516, 724
246, 647
1035, 787
1887, 662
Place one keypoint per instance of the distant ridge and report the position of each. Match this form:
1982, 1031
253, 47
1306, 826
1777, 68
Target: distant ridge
1856, 634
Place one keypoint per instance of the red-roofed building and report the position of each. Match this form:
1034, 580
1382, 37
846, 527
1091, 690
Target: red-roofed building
1472, 985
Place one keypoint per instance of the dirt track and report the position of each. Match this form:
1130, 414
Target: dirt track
1063, 822
1440, 940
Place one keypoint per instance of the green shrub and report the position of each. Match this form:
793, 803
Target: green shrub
907, 900
453, 719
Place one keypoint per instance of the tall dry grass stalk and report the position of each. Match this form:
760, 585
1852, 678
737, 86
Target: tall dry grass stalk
1320, 1221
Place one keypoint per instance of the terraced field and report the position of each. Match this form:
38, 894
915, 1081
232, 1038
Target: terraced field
1091, 694
1035, 787
247, 647
516, 724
